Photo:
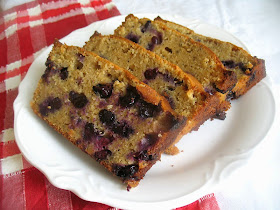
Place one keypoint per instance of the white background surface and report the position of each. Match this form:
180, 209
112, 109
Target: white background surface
257, 24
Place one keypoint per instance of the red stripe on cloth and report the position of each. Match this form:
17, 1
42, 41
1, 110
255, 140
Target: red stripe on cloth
8, 149
38, 37
11, 191
78, 204
58, 198
24, 69
3, 53
22, 19
34, 18
9, 23
91, 18
18, 71
35, 189
59, 11
102, 12
9, 112
192, 206
209, 202
13, 51
114, 11
3, 99
9, 74
61, 28
25, 43
2, 77
96, 3
106, 1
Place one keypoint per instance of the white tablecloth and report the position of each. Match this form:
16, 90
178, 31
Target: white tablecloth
257, 24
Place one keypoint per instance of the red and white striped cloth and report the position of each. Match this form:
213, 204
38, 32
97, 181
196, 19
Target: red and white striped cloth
25, 31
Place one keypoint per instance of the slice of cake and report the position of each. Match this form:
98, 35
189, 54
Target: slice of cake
191, 56
183, 92
105, 111
249, 70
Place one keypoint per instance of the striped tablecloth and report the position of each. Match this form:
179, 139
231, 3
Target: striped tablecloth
25, 31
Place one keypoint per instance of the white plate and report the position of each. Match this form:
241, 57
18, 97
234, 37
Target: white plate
209, 155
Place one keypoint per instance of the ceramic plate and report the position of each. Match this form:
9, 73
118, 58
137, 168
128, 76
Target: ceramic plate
208, 156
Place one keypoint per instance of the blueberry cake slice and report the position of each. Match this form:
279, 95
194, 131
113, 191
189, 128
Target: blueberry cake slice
249, 70
191, 56
183, 92
105, 111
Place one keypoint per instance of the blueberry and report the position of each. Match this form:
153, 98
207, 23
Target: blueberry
63, 73
148, 141
130, 98
220, 115
168, 49
81, 57
49, 105
252, 78
80, 62
103, 142
151, 46
79, 100
151, 73
43, 110
245, 70
104, 90
55, 103
107, 117
102, 155
49, 65
46, 75
122, 129
89, 131
126, 171
147, 110
133, 37
231, 95
143, 155
146, 26
229, 64
159, 35
168, 78
155, 40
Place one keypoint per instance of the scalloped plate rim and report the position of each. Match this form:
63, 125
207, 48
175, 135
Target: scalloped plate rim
114, 202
